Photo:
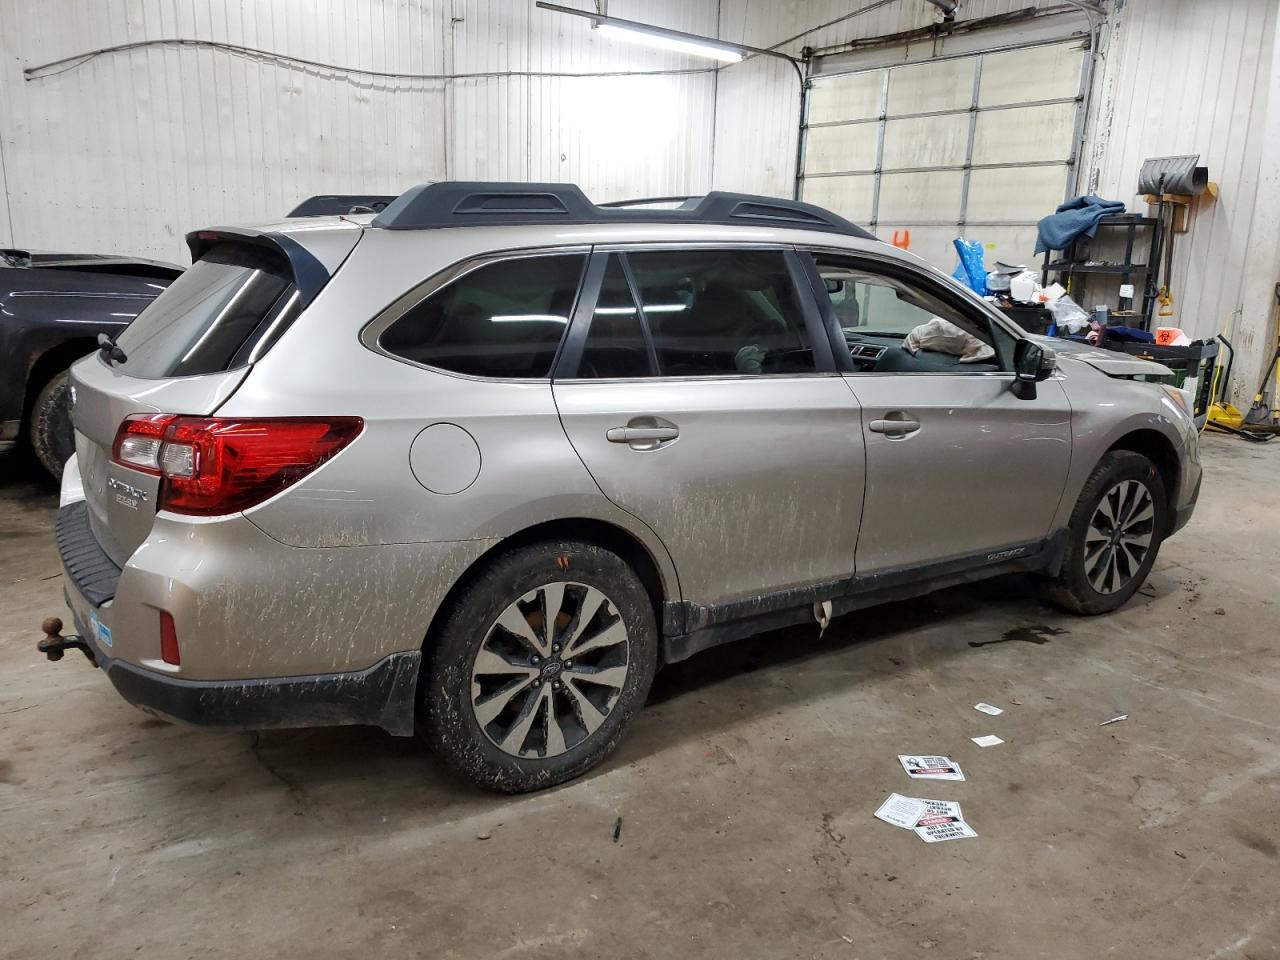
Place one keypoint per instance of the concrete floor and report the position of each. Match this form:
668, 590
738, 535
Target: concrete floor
745, 792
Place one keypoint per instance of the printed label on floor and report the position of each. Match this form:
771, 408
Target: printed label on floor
904, 812
938, 808
938, 829
988, 709
930, 768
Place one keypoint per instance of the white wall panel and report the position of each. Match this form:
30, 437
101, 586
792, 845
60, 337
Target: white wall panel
1193, 76
130, 150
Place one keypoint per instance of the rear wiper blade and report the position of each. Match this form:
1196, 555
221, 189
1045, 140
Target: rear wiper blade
109, 351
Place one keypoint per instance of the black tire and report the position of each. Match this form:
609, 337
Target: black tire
52, 438
1074, 589
447, 718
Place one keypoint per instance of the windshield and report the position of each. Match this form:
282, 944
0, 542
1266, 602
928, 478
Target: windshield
221, 314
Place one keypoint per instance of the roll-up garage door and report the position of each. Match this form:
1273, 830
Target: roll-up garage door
980, 146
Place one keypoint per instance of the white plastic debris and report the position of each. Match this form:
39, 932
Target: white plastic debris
1123, 716
990, 740
988, 709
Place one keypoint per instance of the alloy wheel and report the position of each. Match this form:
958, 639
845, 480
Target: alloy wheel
550, 669
1119, 536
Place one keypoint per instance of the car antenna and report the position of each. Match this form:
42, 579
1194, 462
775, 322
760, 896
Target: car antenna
109, 350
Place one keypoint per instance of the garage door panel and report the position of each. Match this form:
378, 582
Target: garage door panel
1017, 147
921, 196
1013, 245
934, 244
851, 197
926, 142
926, 87
1023, 134
1015, 193
853, 96
846, 147
1036, 73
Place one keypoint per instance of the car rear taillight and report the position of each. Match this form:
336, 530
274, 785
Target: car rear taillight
214, 465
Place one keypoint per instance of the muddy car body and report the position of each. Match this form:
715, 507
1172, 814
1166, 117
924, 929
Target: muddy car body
480, 464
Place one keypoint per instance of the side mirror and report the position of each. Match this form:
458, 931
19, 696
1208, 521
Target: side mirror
1032, 363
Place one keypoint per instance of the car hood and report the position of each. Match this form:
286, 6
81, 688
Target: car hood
1110, 362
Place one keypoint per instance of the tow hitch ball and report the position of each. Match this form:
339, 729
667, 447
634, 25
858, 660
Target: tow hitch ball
54, 644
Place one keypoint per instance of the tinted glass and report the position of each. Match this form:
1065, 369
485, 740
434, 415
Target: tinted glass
722, 312
213, 316
505, 319
615, 345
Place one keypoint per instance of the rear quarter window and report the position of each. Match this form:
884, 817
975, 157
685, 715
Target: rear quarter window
505, 319
217, 316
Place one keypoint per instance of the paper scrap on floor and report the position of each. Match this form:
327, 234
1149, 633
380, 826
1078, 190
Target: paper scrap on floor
933, 821
937, 827
990, 740
988, 709
904, 812
930, 768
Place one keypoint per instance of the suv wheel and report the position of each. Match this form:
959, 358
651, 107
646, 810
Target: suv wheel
52, 438
1114, 535
540, 666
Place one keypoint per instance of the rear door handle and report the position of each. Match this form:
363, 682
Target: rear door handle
894, 428
641, 434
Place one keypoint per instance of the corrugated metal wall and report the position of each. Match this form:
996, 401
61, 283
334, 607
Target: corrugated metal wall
127, 151
1190, 76
131, 149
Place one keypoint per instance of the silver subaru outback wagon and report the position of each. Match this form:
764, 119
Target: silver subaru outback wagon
476, 466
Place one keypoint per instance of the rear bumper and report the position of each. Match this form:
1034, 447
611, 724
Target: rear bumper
381, 696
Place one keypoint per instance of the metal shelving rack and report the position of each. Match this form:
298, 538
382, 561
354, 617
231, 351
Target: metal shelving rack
1072, 262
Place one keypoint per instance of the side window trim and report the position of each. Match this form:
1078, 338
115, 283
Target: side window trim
575, 340
901, 271
811, 308
625, 261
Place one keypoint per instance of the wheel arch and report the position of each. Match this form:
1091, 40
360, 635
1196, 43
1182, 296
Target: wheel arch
602, 533
1160, 450
48, 364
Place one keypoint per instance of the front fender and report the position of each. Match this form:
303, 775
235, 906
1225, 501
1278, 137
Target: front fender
1104, 411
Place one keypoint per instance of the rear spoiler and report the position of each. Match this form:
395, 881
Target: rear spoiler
336, 204
309, 274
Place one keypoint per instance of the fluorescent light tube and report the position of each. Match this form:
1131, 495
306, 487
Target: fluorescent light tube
691, 47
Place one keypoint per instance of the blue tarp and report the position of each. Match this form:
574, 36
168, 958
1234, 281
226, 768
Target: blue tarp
1075, 218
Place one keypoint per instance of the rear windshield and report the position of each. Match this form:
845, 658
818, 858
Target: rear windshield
220, 314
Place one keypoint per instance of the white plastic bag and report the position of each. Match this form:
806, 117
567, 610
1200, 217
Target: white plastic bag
943, 336
1067, 313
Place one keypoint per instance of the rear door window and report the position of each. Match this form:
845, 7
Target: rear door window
504, 319
219, 315
722, 312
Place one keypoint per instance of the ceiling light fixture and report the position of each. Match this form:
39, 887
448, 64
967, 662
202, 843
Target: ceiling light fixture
647, 38
664, 38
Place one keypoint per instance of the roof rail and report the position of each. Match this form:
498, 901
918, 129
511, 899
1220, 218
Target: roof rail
333, 204
471, 204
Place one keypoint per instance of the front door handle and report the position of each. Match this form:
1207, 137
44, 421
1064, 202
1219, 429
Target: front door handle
894, 426
641, 434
